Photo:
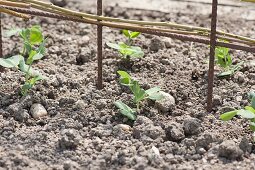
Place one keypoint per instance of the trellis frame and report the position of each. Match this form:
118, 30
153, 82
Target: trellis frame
212, 42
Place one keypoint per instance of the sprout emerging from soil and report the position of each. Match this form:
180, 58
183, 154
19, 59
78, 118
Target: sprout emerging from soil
33, 49
224, 60
126, 50
247, 113
139, 95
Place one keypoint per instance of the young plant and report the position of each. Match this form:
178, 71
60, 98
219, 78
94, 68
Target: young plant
247, 113
33, 49
139, 95
126, 50
224, 60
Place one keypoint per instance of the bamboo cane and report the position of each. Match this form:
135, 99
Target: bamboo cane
16, 14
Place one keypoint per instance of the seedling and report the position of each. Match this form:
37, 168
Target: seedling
247, 113
224, 60
34, 49
139, 95
126, 50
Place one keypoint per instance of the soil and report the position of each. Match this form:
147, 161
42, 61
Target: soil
83, 128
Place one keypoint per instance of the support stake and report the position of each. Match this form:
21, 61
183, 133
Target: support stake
99, 47
1, 47
212, 55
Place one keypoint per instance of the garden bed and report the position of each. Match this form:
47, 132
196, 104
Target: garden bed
83, 128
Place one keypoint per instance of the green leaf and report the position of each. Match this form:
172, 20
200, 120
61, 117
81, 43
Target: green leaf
25, 34
251, 95
225, 73
36, 36
228, 116
31, 56
35, 79
25, 88
114, 46
134, 34
156, 96
11, 62
154, 93
24, 68
126, 33
253, 102
138, 92
152, 90
42, 49
124, 74
131, 51
27, 46
125, 110
125, 78
250, 109
246, 114
12, 32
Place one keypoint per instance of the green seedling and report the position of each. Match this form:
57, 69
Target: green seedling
126, 49
33, 49
247, 113
139, 95
224, 60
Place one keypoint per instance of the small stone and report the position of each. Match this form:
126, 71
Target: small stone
192, 126
201, 151
217, 100
37, 110
121, 127
174, 132
80, 104
153, 154
156, 44
240, 77
166, 104
230, 150
60, 3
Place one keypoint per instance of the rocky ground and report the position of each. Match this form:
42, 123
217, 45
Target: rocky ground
82, 128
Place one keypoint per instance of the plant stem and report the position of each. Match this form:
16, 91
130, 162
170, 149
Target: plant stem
27, 73
138, 107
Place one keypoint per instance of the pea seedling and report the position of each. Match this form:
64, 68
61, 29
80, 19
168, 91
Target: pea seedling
139, 95
34, 48
247, 113
126, 49
224, 60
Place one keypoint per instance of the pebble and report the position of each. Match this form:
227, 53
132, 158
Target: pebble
37, 111
192, 126
166, 104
